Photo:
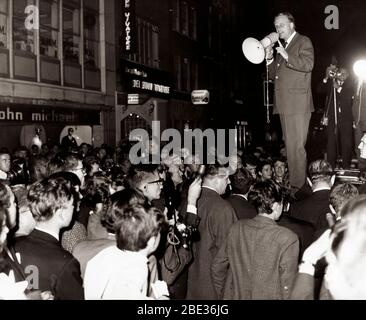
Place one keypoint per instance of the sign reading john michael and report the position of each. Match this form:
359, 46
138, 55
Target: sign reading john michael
46, 114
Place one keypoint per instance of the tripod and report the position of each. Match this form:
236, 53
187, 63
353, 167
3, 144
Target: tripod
333, 148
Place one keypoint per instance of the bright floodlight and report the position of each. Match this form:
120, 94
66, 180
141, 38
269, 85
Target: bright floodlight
359, 68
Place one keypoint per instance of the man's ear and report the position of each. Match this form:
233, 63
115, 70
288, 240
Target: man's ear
332, 180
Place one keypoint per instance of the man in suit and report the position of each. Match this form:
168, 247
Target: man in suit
291, 71
258, 259
241, 182
52, 205
313, 210
217, 216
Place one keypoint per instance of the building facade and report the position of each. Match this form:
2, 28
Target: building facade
169, 48
57, 69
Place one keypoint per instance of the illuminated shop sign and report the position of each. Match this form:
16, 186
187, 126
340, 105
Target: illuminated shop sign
149, 86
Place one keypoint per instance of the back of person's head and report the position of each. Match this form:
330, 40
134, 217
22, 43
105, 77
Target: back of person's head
38, 168
241, 181
71, 161
320, 171
56, 164
47, 196
342, 193
264, 194
346, 277
117, 202
135, 226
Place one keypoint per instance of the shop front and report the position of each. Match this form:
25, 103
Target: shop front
19, 122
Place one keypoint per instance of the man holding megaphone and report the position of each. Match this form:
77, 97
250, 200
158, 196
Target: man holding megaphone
291, 71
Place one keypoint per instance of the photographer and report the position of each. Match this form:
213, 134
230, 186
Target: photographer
337, 117
173, 256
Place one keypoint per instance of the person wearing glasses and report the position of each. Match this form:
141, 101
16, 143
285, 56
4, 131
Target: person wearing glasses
146, 178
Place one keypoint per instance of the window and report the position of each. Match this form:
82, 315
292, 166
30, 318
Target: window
91, 34
192, 23
185, 74
148, 44
194, 75
71, 28
184, 18
3, 23
23, 38
49, 30
175, 15
177, 72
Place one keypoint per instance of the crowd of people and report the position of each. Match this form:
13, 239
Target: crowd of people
84, 223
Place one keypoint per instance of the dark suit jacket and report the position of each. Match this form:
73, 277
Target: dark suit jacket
292, 79
313, 209
243, 209
217, 216
59, 271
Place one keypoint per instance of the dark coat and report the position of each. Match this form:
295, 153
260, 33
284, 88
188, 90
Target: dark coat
243, 209
313, 209
59, 271
217, 216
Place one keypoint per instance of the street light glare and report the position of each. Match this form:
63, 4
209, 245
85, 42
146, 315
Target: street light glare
359, 69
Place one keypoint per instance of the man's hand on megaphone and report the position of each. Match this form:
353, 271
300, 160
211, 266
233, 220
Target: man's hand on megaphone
269, 53
282, 52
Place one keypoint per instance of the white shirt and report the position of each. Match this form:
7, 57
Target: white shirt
290, 39
116, 274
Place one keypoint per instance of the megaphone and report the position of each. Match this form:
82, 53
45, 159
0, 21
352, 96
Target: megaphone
255, 51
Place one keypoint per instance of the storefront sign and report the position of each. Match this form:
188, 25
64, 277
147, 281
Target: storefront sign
133, 98
145, 80
48, 114
128, 32
200, 97
145, 85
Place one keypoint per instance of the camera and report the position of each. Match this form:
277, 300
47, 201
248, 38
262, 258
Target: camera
18, 174
185, 234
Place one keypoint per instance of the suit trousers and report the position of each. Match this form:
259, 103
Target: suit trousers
295, 130
358, 132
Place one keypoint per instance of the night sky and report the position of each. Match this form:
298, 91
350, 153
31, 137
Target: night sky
348, 43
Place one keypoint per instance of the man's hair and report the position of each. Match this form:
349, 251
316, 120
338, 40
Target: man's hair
35, 165
288, 15
56, 164
241, 181
250, 159
139, 174
71, 161
214, 170
117, 202
264, 194
320, 170
263, 163
342, 193
48, 196
134, 226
